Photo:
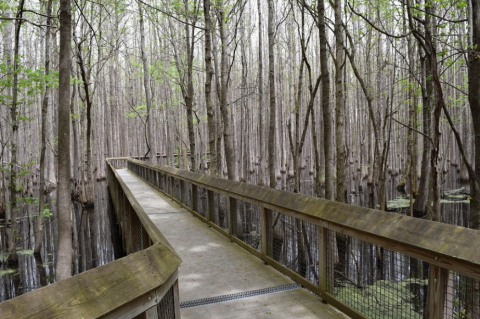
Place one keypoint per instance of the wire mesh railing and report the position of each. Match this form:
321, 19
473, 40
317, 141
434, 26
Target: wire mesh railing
367, 263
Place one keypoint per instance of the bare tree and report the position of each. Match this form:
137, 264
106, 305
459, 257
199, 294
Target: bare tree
14, 138
43, 146
149, 122
271, 82
64, 255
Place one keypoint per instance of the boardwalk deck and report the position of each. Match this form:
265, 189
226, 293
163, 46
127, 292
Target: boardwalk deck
213, 268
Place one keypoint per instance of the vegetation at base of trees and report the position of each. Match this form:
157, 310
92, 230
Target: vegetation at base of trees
383, 299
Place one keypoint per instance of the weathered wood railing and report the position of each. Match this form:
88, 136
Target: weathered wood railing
365, 262
142, 285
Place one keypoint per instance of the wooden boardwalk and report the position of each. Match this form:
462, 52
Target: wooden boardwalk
217, 278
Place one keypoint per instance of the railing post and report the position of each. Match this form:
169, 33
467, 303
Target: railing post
176, 299
266, 232
231, 214
135, 232
436, 291
181, 190
128, 227
161, 182
322, 259
172, 185
146, 242
210, 205
194, 197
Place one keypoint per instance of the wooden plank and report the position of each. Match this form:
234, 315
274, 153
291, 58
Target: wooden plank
143, 303
101, 291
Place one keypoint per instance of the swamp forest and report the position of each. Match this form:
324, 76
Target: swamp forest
373, 103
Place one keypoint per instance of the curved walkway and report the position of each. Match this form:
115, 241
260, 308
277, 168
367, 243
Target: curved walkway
217, 278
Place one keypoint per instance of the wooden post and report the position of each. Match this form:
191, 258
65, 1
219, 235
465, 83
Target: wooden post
322, 259
181, 190
176, 299
266, 232
122, 215
134, 231
194, 197
161, 183
210, 204
128, 227
436, 291
172, 185
145, 239
231, 214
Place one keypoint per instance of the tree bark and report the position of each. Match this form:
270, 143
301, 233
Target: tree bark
340, 112
271, 82
13, 258
474, 100
64, 254
212, 125
224, 85
152, 151
41, 201
327, 109
261, 110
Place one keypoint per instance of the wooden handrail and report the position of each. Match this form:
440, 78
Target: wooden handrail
444, 245
446, 248
121, 289
152, 230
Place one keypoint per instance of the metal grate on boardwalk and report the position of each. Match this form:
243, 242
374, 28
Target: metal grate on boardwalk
217, 278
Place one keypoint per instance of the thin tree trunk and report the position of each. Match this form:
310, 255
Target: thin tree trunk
340, 112
151, 150
474, 100
13, 258
328, 111
224, 84
271, 80
64, 255
41, 201
212, 125
261, 110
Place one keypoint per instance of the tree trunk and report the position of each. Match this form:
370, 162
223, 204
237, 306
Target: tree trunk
223, 94
474, 100
327, 109
340, 112
64, 255
41, 201
13, 258
271, 82
152, 151
261, 110
212, 125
